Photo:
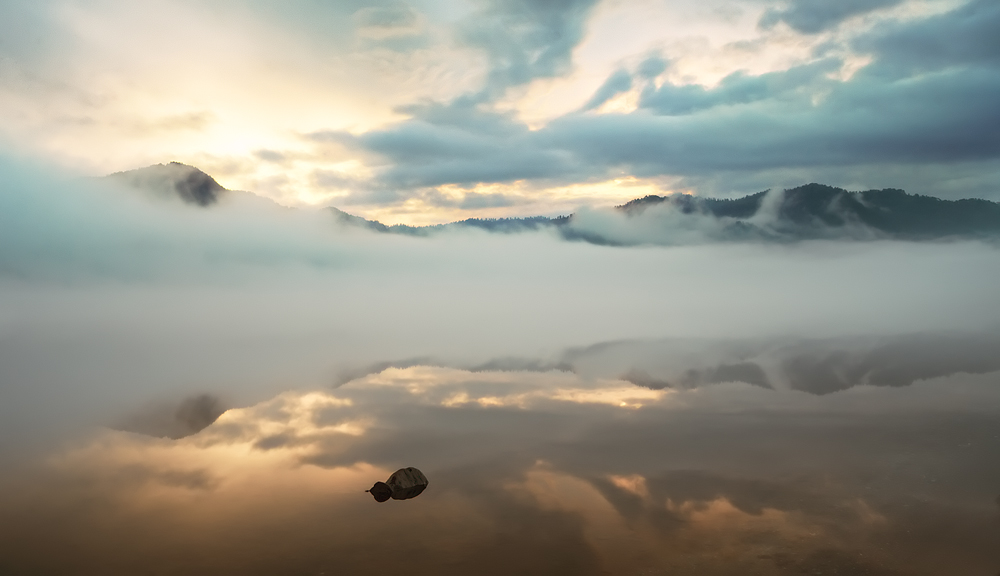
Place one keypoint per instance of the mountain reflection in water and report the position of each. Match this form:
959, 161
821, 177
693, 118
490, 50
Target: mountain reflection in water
534, 473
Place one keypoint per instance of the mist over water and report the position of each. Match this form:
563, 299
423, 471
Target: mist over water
822, 405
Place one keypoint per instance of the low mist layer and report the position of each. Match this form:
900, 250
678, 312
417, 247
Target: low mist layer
114, 301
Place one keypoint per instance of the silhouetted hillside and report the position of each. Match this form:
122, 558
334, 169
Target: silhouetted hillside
501, 225
174, 179
819, 211
504, 225
807, 212
744, 207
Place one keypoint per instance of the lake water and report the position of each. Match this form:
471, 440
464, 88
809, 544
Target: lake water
532, 472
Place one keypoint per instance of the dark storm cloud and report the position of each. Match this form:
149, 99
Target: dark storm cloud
926, 100
858, 122
963, 37
814, 16
864, 121
525, 39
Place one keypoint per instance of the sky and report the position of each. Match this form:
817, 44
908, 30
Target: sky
426, 112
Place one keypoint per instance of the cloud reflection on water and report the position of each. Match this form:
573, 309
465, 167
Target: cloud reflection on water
712, 480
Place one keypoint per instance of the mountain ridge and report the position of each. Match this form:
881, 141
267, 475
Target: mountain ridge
810, 211
187, 182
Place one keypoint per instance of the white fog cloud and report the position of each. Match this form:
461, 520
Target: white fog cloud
112, 300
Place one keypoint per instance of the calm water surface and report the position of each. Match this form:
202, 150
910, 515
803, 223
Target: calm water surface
533, 472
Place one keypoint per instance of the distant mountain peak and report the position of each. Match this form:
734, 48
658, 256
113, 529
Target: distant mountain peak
810, 211
821, 211
174, 179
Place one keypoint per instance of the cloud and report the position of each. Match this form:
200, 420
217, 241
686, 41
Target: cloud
620, 81
468, 76
524, 39
744, 126
652, 67
901, 110
738, 88
815, 16
458, 144
963, 37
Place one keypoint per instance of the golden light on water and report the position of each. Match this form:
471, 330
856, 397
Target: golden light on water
283, 483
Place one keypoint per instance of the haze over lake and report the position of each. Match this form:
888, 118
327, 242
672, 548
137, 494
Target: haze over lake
639, 288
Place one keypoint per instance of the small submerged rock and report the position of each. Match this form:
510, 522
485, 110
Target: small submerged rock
404, 484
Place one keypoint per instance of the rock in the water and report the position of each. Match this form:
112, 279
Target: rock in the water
404, 484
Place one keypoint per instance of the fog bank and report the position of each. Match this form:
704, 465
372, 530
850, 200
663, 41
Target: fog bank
111, 300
